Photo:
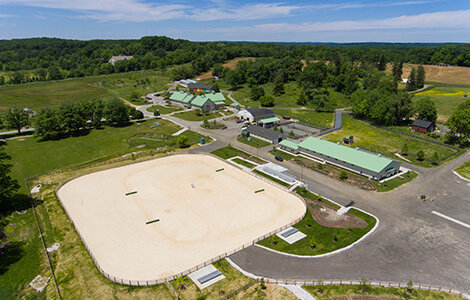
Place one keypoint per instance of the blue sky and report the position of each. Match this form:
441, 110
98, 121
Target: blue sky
288, 21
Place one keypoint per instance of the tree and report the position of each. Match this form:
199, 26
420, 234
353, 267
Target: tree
179, 282
397, 71
273, 239
136, 114
302, 99
404, 149
278, 85
182, 140
216, 88
256, 93
71, 117
267, 101
420, 77
420, 155
281, 130
134, 96
411, 84
435, 158
16, 118
312, 243
217, 70
426, 109
115, 111
291, 133
409, 286
8, 186
47, 124
93, 111
234, 78
459, 123
343, 175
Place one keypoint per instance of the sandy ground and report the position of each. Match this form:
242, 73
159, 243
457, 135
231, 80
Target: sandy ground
196, 224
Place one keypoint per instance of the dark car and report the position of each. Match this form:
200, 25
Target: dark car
223, 127
278, 158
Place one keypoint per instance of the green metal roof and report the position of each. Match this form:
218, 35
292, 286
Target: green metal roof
235, 104
217, 98
178, 96
270, 120
373, 162
289, 144
199, 101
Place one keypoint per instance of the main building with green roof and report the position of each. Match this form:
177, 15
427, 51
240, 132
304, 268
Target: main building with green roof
364, 163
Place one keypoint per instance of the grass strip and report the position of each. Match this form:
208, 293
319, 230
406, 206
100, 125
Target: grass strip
272, 178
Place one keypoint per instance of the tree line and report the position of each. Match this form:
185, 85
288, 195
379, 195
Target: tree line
70, 118
54, 59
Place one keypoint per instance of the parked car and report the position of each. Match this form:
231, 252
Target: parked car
223, 127
278, 158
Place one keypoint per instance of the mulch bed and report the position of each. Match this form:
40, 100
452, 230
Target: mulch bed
326, 216
329, 171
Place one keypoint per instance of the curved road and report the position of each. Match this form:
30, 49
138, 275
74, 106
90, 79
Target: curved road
411, 242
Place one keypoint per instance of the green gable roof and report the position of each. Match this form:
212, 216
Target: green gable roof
217, 98
182, 97
270, 120
199, 101
372, 162
289, 144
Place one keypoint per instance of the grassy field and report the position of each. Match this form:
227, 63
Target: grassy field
446, 99
395, 182
233, 281
349, 291
322, 118
286, 100
271, 178
40, 95
257, 143
282, 154
244, 163
452, 74
323, 236
384, 141
464, 169
31, 156
191, 116
229, 152
164, 110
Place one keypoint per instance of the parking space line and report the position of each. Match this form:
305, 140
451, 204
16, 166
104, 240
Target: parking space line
451, 219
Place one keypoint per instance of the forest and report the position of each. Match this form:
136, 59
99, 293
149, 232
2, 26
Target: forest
41, 59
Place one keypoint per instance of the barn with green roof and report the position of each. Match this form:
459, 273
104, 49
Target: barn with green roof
371, 165
181, 98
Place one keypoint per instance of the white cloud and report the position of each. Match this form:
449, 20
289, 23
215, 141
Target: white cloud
138, 11
246, 12
448, 19
109, 10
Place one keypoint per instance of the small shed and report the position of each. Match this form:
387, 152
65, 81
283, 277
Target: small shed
422, 126
264, 134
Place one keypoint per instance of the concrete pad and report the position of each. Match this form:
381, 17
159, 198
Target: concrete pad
216, 217
297, 236
202, 272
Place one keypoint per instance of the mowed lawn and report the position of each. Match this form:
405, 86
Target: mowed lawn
464, 169
322, 118
383, 141
31, 156
40, 95
446, 99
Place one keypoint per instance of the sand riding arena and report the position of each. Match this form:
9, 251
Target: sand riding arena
146, 222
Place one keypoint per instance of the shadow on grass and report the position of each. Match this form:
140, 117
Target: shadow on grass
10, 253
16, 203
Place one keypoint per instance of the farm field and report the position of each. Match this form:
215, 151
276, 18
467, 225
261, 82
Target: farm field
384, 141
31, 156
43, 94
446, 99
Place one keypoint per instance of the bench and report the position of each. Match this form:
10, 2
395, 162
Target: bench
209, 276
289, 232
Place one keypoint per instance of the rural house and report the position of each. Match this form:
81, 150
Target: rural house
422, 126
114, 59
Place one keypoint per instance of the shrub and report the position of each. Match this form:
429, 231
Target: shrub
343, 175
420, 154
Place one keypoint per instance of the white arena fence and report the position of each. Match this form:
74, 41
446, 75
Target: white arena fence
157, 281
